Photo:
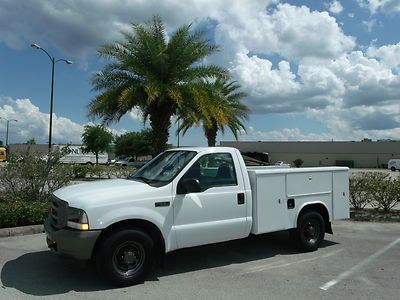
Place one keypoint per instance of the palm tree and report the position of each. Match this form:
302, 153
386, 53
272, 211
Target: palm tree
224, 110
157, 74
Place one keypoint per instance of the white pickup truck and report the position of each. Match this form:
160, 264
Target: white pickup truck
188, 197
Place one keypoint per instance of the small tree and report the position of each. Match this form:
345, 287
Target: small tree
359, 186
298, 162
31, 141
134, 143
384, 191
96, 139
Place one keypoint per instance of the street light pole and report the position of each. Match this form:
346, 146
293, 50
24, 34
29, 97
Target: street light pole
178, 133
7, 127
53, 62
51, 102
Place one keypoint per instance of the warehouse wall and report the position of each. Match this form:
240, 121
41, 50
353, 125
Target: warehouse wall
365, 154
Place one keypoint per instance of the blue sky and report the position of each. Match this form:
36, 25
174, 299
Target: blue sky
313, 70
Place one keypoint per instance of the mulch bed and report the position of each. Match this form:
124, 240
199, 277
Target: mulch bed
374, 215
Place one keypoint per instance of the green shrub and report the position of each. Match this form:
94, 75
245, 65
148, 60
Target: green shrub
384, 191
30, 176
20, 213
374, 188
80, 171
359, 187
298, 162
123, 172
96, 171
102, 171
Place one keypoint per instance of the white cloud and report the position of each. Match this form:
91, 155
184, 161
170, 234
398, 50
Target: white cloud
291, 32
355, 95
389, 54
360, 122
342, 124
285, 134
385, 6
369, 25
335, 7
136, 114
351, 15
32, 123
367, 81
79, 27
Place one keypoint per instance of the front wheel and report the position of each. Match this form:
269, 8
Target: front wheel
393, 169
125, 257
310, 231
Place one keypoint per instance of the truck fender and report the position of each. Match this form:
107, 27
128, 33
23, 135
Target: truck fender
137, 214
321, 208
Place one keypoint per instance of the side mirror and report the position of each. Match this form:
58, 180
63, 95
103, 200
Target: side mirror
190, 185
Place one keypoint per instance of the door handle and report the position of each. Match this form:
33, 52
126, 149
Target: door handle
240, 198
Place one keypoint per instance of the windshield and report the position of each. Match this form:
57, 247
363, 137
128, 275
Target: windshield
163, 168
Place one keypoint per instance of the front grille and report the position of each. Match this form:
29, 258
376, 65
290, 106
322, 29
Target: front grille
58, 212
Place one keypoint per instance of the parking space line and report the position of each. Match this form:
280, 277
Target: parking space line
355, 268
272, 266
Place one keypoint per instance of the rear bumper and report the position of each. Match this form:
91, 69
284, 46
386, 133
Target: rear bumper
70, 242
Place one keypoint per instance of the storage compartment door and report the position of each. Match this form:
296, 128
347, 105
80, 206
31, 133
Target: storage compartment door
340, 203
302, 184
271, 203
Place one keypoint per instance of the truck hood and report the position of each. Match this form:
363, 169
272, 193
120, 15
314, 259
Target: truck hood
102, 192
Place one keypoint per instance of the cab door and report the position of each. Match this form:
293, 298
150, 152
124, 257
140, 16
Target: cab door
218, 211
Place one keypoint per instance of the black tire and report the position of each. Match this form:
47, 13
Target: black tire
125, 257
89, 163
393, 169
310, 231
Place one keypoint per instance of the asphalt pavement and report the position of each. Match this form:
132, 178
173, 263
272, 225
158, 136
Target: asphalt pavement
360, 261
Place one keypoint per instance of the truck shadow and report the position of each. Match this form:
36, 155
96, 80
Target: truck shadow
252, 248
43, 274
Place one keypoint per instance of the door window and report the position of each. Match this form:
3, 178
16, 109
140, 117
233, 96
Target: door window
213, 170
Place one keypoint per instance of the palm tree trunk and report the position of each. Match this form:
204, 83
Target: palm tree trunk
160, 122
211, 134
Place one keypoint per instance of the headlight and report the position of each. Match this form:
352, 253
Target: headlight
77, 219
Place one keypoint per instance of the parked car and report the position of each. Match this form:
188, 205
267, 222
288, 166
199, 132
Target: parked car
394, 164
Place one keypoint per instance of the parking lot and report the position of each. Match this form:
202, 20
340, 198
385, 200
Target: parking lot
360, 261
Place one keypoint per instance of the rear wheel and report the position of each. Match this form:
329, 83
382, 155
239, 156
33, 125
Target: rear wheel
125, 257
310, 231
393, 169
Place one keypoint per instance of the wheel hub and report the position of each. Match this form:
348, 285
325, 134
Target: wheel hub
129, 258
310, 232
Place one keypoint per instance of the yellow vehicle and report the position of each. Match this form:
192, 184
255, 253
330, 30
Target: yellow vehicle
3, 154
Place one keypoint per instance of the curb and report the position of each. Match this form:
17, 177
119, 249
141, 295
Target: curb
22, 230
